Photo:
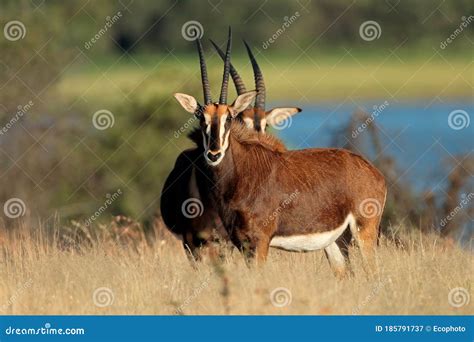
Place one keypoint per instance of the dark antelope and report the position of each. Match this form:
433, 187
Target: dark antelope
300, 200
186, 205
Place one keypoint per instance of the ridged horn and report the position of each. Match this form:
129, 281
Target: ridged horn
205, 81
238, 82
259, 82
225, 77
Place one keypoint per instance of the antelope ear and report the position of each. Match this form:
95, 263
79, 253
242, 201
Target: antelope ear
275, 115
242, 102
188, 102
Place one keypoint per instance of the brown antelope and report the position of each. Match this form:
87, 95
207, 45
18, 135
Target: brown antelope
187, 186
301, 200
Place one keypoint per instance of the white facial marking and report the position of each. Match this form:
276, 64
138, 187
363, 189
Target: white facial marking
223, 139
311, 242
212, 163
222, 129
207, 120
205, 137
226, 144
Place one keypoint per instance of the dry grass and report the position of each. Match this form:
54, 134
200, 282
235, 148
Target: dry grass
39, 277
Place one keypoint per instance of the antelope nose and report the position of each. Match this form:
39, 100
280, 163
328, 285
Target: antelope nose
212, 156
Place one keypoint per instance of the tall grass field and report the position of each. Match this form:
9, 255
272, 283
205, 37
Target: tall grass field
117, 271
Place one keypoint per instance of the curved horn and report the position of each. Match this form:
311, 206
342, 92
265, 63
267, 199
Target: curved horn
225, 78
259, 82
239, 84
205, 81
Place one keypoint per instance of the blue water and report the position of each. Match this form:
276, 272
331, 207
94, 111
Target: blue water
416, 134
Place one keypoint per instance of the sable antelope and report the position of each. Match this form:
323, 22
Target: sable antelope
187, 186
331, 191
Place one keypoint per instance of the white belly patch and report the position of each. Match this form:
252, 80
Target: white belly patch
313, 241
